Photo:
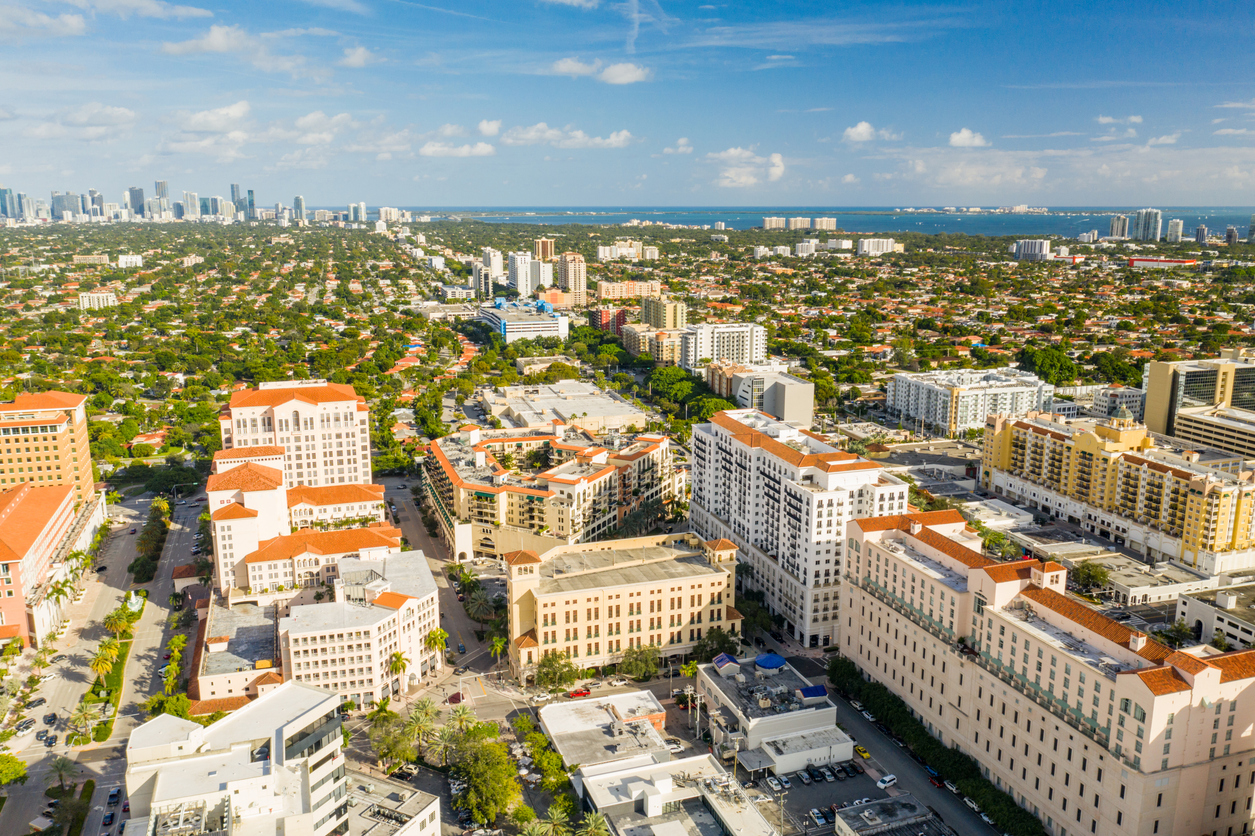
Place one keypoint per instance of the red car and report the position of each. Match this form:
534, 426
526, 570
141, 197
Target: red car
166, 657
935, 781
579, 692
126, 806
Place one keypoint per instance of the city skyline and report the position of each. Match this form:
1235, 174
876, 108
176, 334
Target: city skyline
583, 102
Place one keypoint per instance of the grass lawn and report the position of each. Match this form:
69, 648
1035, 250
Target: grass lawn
113, 684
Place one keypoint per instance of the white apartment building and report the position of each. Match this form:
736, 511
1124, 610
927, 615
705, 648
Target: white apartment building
952, 402
274, 766
129, 261
1109, 399
96, 299
826, 223
876, 246
519, 272
323, 428
736, 342
782, 251
649, 253
1176, 228
573, 278
540, 274
773, 223
840, 244
799, 223
762, 252
1032, 250
492, 261
514, 322
783, 496
1091, 725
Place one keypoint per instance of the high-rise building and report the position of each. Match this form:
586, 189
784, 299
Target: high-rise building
954, 401
97, 201
543, 250
57, 422
1200, 234
629, 289
519, 272
252, 207
737, 342
1231, 235
8, 203
1147, 225
1226, 381
1127, 721
610, 320
799, 223
321, 429
161, 189
786, 508
1032, 250
191, 205
876, 246
1112, 479
1176, 227
540, 274
237, 196
826, 223
773, 223
1119, 226
664, 312
1250, 231
493, 262
135, 199
573, 277
298, 207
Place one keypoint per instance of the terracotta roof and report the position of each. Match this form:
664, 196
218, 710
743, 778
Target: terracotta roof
234, 511
349, 540
392, 600
1162, 680
198, 651
903, 521
1240, 664
329, 393
185, 571
1021, 570
1112, 631
528, 639
830, 462
732, 614
25, 512
1190, 664
45, 400
333, 494
268, 678
199, 708
720, 545
247, 477
519, 558
248, 453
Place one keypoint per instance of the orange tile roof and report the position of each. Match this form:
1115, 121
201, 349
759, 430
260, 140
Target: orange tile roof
248, 477
829, 462
1188, 663
46, 400
521, 557
269, 678
720, 545
199, 708
333, 494
234, 511
25, 511
1095, 622
392, 600
329, 393
903, 521
288, 546
248, 453
1162, 680
528, 639
1240, 664
1021, 570
185, 571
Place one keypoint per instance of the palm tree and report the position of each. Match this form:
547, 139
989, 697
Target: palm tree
533, 828
101, 665
117, 623
60, 769
83, 718
177, 643
436, 640
397, 663
418, 727
6, 702
554, 823
110, 648
442, 742
498, 647
689, 669
594, 824
425, 707
479, 605
461, 717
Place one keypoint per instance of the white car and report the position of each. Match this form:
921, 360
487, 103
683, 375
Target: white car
674, 747
856, 705
773, 783
886, 782
48, 677
541, 697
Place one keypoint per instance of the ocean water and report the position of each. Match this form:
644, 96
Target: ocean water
1064, 221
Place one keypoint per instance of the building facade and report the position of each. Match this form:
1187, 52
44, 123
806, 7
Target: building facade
952, 402
736, 342
628, 289
1227, 380
44, 441
1092, 726
784, 496
573, 278
664, 312
96, 299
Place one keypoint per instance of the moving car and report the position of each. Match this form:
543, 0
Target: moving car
50, 719
133, 530
102, 568
887, 782
48, 677
50, 741
42, 734
461, 648
862, 753
114, 795
579, 692
37, 702
461, 669
25, 726
108, 819
542, 697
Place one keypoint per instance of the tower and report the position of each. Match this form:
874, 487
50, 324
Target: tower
298, 207
161, 189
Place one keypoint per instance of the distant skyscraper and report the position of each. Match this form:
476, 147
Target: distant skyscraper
191, 205
1250, 232
1231, 235
236, 194
1147, 225
1176, 227
161, 189
135, 199
252, 207
1119, 226
8, 203
298, 207
1200, 234
543, 250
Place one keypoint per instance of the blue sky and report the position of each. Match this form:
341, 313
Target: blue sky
632, 102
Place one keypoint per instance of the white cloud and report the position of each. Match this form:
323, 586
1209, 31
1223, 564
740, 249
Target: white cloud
779, 57
450, 129
579, 4
228, 39
490, 127
318, 128
740, 167
1113, 120
541, 133
967, 138
1168, 139
340, 5
218, 120
395, 142
296, 33
140, 8
223, 146
849, 179
5, 115
624, 74
1128, 133
862, 132
682, 146
1234, 132
94, 114
444, 149
303, 158
1241, 105
17, 22
574, 67
358, 56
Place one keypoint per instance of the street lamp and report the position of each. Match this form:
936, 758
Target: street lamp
780, 801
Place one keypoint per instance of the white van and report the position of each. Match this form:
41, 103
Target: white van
887, 782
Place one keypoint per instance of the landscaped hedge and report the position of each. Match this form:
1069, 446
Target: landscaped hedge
951, 763
76, 827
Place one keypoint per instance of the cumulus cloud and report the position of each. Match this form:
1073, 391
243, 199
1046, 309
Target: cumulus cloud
1241, 105
449, 129
542, 134
967, 138
90, 122
217, 120
490, 127
387, 143
232, 39
1234, 132
849, 179
574, 67
864, 132
742, 167
444, 149
95, 114
357, 57
1113, 136
18, 22
318, 128
1113, 120
1168, 139
682, 146
624, 74
140, 8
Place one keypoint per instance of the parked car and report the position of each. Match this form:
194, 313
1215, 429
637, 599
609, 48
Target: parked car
102, 568
932, 773
936, 782
818, 817
48, 677
838, 773
869, 717
541, 697
579, 692
887, 782
861, 752
828, 774
60, 657
133, 530
784, 782
804, 777
972, 805
854, 767
950, 785
773, 783
816, 774
856, 705
674, 746
618, 682
986, 819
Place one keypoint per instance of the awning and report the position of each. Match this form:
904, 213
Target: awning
754, 759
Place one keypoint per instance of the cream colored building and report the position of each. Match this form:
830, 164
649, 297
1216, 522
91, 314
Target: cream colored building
96, 299
573, 278
666, 347
664, 312
628, 289
1110, 478
636, 336
1090, 725
486, 510
590, 601
44, 441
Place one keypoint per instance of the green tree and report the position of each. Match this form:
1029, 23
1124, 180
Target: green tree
462, 718
1091, 575
491, 778
479, 606
100, 664
555, 670
60, 769
555, 822
12, 769
716, 641
1176, 634
83, 718
498, 647
593, 824
436, 639
71, 809
640, 662
390, 742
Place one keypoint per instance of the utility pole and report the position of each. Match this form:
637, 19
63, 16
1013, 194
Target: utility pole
780, 801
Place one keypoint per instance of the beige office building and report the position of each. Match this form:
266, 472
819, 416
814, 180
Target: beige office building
1226, 381
573, 278
592, 600
543, 250
44, 441
664, 312
1090, 725
666, 346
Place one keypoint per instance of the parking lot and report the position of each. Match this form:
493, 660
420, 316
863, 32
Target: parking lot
800, 799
